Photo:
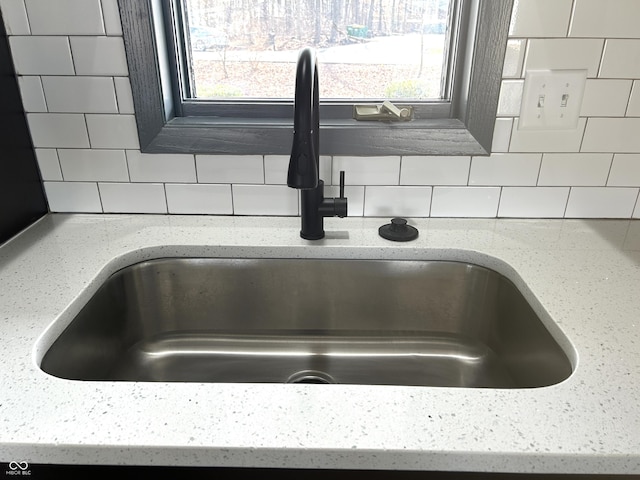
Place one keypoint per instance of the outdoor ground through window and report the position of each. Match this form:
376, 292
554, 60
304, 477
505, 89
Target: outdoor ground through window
366, 49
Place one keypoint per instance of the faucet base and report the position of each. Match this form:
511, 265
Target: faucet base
315, 207
315, 236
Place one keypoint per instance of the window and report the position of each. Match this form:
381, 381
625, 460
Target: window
174, 48
367, 49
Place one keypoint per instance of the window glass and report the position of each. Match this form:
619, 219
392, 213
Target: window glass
366, 49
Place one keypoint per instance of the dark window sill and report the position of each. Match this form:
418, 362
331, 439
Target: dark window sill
213, 135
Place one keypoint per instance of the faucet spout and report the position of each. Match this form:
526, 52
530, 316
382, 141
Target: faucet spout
304, 164
305, 152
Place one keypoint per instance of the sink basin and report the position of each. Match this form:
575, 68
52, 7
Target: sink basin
373, 322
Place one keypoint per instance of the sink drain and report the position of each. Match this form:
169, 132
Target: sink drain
310, 376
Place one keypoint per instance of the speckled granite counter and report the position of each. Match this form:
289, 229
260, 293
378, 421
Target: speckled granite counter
584, 274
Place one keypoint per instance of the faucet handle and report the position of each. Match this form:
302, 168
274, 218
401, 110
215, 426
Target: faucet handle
340, 203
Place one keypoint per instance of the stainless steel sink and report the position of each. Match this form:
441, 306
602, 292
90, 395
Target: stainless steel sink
372, 322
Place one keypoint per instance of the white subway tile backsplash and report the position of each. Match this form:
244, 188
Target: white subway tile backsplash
618, 135
80, 94
99, 56
325, 170
625, 170
575, 169
264, 200
111, 16
510, 98
547, 140
32, 94
112, 131
65, 17
605, 98
633, 109
124, 95
41, 55
514, 58
75, 88
73, 197
15, 18
424, 170
540, 18
505, 169
595, 18
230, 168
133, 197
58, 130
621, 59
93, 165
465, 201
276, 168
601, 202
367, 170
199, 199
564, 54
502, 135
397, 201
146, 167
533, 202
48, 164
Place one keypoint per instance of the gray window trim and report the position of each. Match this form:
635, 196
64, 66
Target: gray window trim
468, 132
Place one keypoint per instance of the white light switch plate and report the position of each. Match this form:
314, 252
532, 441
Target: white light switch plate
552, 99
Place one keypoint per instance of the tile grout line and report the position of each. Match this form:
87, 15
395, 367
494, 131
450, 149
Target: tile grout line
195, 168
606, 182
233, 206
499, 202
571, 18
102, 17
166, 201
626, 110
636, 205
566, 205
539, 170
26, 14
100, 196
602, 52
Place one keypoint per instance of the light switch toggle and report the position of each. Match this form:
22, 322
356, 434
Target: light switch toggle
552, 99
541, 101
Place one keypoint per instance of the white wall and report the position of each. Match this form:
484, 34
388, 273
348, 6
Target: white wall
69, 55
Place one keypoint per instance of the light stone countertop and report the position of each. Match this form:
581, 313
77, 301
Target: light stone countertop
584, 274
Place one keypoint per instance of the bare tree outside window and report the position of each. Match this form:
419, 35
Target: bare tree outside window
366, 49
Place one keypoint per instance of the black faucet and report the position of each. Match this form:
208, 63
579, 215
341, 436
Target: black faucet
304, 164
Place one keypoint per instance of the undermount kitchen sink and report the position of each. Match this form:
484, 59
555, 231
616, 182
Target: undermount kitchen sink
373, 322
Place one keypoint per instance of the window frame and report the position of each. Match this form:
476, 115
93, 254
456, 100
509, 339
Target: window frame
467, 131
